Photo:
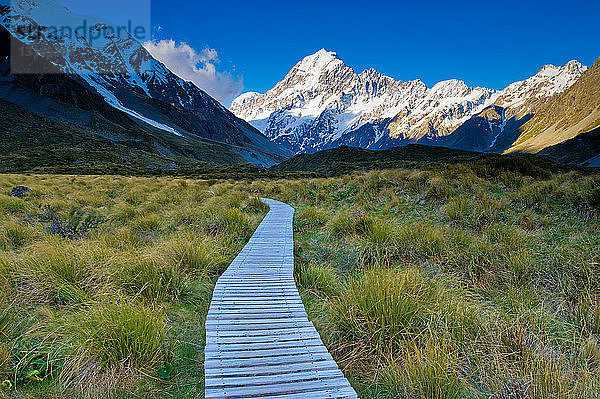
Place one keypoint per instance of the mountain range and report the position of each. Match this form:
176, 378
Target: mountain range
113, 93
322, 103
69, 102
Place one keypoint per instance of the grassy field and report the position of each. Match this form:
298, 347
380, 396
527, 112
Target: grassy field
456, 281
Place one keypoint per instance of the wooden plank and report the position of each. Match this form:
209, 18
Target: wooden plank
265, 353
266, 361
222, 382
329, 393
224, 316
250, 327
306, 387
225, 347
257, 371
296, 335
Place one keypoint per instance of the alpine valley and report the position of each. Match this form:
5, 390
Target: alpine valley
322, 103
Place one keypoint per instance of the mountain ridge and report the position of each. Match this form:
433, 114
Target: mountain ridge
575, 111
322, 103
120, 81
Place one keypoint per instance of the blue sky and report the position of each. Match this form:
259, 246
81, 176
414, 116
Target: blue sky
485, 43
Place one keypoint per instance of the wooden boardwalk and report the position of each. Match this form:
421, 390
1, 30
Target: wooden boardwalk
259, 341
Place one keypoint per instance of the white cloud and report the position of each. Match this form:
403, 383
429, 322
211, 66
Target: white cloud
197, 67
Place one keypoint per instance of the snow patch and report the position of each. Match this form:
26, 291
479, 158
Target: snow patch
112, 100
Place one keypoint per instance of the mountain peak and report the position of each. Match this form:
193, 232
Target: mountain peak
319, 61
325, 54
572, 66
575, 65
449, 88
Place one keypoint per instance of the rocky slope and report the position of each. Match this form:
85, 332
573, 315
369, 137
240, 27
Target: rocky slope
497, 127
322, 103
574, 112
117, 80
582, 150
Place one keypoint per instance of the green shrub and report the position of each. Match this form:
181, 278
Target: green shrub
492, 167
76, 225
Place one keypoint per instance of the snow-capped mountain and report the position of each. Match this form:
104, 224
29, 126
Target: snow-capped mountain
321, 99
568, 127
497, 127
322, 103
126, 77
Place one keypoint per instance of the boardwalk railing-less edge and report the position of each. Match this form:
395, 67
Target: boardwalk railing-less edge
259, 341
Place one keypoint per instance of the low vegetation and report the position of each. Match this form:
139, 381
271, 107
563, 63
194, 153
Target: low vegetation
473, 280
105, 282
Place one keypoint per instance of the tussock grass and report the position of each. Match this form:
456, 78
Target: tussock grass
309, 218
15, 235
256, 205
383, 309
194, 256
11, 205
6, 278
105, 275
230, 222
320, 280
457, 209
429, 372
111, 337
62, 272
149, 278
471, 280
341, 225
